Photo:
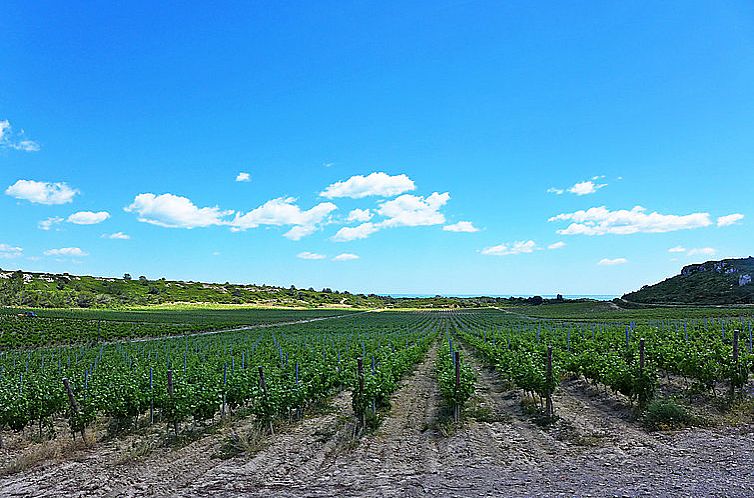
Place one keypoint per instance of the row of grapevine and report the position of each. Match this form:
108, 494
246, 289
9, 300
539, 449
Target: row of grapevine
64, 327
268, 372
626, 358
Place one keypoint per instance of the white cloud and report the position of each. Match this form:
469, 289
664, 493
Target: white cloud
507, 249
413, 210
173, 211
8, 251
702, 251
283, 211
299, 232
116, 236
601, 221
557, 245
581, 188
612, 262
310, 255
88, 217
49, 223
404, 211
42, 192
9, 140
360, 215
731, 219
243, 177
362, 231
346, 256
461, 226
378, 183
587, 187
73, 252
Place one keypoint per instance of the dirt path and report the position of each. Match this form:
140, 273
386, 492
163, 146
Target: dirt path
395, 461
596, 449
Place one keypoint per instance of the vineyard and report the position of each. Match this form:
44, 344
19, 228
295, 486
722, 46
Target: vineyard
76, 326
413, 383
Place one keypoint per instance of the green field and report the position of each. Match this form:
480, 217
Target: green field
309, 354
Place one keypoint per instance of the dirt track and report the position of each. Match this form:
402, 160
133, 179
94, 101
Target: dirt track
594, 449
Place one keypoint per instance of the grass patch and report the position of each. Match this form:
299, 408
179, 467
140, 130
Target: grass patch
247, 443
667, 414
138, 451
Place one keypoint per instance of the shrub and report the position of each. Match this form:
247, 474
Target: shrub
666, 414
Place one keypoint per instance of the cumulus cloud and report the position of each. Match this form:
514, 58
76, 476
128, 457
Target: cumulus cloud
360, 215
557, 245
612, 262
731, 219
173, 211
243, 177
73, 252
413, 210
16, 141
601, 221
702, 251
42, 192
461, 226
404, 211
8, 252
88, 217
508, 249
586, 188
283, 211
310, 255
375, 184
48, 223
116, 236
362, 231
581, 188
346, 256
698, 251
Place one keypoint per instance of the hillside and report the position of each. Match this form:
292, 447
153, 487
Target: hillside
728, 281
49, 290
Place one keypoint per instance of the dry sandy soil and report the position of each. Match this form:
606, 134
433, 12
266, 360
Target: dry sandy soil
595, 449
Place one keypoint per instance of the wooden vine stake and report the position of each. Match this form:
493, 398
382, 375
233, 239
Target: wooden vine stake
360, 372
548, 401
170, 393
72, 401
641, 356
263, 387
736, 370
456, 406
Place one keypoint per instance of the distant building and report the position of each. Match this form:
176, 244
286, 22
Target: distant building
744, 280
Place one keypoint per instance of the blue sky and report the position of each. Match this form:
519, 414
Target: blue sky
542, 126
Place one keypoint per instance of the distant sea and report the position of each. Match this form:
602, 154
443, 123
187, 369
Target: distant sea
598, 297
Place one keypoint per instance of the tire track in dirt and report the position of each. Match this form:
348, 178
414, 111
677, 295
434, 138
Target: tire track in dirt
396, 460
291, 458
165, 471
522, 443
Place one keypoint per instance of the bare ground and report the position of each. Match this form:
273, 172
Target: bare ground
595, 449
